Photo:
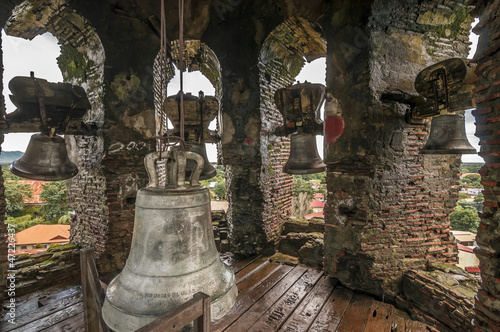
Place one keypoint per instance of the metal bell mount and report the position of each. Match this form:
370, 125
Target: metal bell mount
173, 253
299, 105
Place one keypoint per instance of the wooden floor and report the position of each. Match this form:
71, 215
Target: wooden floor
272, 297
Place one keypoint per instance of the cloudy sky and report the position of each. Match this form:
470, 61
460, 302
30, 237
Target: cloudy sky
39, 55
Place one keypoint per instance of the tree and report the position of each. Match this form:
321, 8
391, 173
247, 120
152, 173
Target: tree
300, 185
301, 205
55, 197
463, 196
16, 193
464, 219
220, 190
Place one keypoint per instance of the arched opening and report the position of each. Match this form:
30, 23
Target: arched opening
80, 62
283, 60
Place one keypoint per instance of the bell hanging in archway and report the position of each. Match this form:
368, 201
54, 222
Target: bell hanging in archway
45, 159
448, 136
304, 157
173, 253
199, 112
299, 105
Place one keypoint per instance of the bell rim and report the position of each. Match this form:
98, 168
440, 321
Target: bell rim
17, 168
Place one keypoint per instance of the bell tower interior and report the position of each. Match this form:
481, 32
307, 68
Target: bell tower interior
386, 225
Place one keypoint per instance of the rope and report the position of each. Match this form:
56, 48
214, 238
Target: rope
181, 64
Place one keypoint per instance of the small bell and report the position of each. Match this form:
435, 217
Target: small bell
208, 171
304, 157
45, 159
448, 136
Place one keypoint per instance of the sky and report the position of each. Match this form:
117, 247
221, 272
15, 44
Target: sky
21, 56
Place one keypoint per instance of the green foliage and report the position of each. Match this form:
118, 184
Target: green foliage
321, 177
38, 246
55, 197
8, 175
302, 185
471, 180
470, 167
24, 222
220, 190
463, 195
464, 219
15, 195
64, 220
479, 198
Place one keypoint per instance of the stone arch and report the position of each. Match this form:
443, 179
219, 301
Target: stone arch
81, 63
282, 56
197, 57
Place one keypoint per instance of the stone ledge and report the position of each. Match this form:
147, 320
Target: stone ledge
442, 297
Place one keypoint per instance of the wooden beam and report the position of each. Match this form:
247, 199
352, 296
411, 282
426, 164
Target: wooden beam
174, 320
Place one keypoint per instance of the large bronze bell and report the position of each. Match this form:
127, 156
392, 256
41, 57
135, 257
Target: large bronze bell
304, 157
45, 159
173, 253
448, 136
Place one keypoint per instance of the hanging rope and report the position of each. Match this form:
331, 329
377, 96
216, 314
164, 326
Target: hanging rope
181, 65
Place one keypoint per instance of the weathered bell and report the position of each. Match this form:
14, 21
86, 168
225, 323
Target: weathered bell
448, 136
208, 171
304, 157
173, 253
45, 159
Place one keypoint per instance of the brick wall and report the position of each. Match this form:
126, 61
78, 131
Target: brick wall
277, 186
387, 207
487, 94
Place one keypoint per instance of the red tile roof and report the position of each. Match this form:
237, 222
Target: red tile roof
319, 196
472, 269
317, 204
36, 186
464, 248
43, 234
319, 214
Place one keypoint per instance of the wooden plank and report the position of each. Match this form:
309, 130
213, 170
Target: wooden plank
245, 321
73, 324
45, 311
309, 308
244, 302
380, 317
56, 296
254, 279
236, 267
279, 312
90, 310
356, 315
180, 316
415, 326
398, 323
250, 269
48, 321
333, 311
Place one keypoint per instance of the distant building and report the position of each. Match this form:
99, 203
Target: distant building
317, 206
41, 234
465, 238
36, 187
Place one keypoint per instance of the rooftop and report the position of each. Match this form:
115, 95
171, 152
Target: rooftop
43, 234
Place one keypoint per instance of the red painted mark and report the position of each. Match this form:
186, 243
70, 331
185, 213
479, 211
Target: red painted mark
249, 141
334, 127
